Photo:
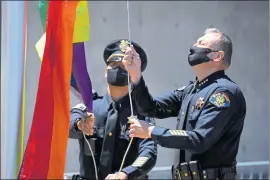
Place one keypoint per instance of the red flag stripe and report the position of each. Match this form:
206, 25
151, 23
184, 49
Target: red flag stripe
46, 149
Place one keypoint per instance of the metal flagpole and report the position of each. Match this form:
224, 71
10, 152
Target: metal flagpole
12, 56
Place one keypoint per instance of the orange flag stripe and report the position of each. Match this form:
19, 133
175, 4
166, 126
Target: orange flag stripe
61, 79
45, 153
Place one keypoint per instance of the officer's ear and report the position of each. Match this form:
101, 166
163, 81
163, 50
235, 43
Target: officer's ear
219, 55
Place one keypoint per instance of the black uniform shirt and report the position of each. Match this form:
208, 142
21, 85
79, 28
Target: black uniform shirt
210, 118
111, 139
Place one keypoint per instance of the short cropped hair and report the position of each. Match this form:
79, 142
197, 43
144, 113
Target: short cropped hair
224, 44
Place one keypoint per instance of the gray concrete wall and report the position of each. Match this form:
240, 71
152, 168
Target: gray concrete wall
166, 30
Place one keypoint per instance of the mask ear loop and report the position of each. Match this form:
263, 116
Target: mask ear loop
216, 56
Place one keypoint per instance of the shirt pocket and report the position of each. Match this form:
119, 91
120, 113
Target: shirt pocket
193, 119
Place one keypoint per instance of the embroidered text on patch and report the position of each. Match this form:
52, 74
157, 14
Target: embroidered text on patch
178, 132
220, 99
140, 161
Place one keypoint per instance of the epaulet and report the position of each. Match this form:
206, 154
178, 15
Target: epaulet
181, 88
192, 82
80, 106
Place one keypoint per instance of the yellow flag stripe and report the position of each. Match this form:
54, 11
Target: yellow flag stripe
22, 123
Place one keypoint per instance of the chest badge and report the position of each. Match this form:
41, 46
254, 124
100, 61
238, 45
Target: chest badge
200, 102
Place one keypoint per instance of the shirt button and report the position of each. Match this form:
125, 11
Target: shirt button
183, 113
110, 134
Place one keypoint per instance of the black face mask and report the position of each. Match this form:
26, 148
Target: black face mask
198, 55
117, 77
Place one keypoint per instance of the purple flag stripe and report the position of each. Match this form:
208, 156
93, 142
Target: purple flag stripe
81, 76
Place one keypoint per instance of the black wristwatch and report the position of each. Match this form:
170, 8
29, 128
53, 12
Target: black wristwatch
76, 124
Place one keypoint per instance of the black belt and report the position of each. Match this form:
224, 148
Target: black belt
78, 177
75, 177
193, 171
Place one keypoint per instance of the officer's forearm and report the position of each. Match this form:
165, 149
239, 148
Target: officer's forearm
134, 172
74, 132
179, 139
145, 161
148, 106
143, 99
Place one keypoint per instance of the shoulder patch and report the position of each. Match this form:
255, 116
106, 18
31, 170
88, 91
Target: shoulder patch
220, 100
80, 106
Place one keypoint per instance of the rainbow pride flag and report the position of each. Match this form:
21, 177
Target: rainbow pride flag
80, 81
45, 153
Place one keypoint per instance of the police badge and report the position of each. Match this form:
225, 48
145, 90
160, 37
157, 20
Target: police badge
123, 45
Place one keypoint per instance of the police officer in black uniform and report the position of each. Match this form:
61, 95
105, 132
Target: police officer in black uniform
210, 112
110, 135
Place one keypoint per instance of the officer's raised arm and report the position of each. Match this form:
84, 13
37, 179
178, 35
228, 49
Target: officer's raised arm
218, 115
164, 106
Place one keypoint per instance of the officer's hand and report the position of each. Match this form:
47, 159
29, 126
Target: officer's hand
132, 63
87, 127
120, 175
140, 129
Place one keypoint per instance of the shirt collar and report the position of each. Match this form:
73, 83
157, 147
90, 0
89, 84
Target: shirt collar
121, 102
209, 79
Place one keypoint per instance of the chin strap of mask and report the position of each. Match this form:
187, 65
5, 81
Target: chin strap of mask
129, 90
